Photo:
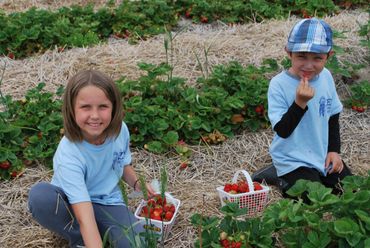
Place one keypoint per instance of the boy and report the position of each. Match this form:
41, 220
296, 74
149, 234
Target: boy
303, 108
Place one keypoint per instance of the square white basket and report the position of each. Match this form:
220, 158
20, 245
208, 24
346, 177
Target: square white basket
162, 228
254, 201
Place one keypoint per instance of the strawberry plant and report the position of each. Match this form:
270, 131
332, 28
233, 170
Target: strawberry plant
233, 228
360, 96
327, 221
161, 112
30, 129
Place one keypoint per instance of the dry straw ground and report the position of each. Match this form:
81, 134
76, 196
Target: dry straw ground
211, 166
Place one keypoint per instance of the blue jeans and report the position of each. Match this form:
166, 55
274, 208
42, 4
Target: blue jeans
49, 206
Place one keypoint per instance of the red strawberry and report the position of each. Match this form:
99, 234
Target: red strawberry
145, 212
156, 215
168, 216
227, 187
172, 208
11, 55
225, 243
188, 13
234, 187
243, 187
159, 201
259, 109
257, 186
183, 166
167, 207
204, 19
14, 174
5, 165
305, 14
151, 203
360, 109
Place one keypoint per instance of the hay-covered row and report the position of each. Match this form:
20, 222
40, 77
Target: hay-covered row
211, 166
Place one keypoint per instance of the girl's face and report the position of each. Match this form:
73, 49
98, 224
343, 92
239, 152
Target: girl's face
306, 64
93, 113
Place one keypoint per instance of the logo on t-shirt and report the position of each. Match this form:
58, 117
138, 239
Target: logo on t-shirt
325, 106
322, 106
118, 158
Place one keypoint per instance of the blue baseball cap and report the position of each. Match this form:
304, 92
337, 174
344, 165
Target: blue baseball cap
310, 35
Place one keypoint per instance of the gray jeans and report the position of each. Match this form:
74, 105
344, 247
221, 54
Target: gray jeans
49, 206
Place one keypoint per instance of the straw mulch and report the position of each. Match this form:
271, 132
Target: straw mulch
210, 166
10, 6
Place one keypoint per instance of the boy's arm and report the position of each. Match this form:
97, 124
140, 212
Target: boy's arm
84, 213
289, 121
334, 134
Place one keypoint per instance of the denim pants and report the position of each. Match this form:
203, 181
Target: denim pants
49, 206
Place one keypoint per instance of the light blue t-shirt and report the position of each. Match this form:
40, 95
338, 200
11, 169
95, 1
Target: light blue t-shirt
308, 144
88, 172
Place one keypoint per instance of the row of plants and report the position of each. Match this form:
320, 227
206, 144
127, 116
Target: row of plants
163, 113
327, 221
34, 31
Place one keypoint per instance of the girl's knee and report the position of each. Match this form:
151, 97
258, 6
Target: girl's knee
41, 196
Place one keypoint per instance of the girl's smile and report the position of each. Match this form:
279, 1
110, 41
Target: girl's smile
93, 113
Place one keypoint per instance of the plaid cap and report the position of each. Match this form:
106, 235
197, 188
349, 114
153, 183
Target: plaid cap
310, 35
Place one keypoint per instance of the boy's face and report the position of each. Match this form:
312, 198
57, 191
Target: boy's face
307, 64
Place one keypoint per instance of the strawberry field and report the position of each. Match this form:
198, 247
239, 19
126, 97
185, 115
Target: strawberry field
193, 76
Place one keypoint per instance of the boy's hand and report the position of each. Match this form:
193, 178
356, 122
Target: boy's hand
336, 161
304, 93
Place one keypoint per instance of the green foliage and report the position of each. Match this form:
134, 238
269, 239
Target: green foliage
25, 33
36, 30
328, 221
364, 32
360, 95
30, 129
162, 110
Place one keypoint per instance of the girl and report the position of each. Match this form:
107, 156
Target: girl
90, 160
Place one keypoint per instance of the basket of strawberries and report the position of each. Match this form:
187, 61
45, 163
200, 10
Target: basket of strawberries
158, 214
248, 194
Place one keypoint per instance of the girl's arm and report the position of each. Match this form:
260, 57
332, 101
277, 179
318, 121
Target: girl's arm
130, 177
86, 219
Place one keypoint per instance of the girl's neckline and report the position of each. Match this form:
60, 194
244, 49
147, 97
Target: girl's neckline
96, 145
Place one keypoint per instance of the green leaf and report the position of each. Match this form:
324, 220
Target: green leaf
155, 146
345, 226
354, 239
367, 242
312, 219
348, 197
160, 124
362, 197
318, 240
298, 188
171, 138
232, 209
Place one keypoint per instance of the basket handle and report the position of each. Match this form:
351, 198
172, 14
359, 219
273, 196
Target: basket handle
247, 176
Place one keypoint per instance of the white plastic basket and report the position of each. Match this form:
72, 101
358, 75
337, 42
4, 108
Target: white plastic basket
162, 228
255, 201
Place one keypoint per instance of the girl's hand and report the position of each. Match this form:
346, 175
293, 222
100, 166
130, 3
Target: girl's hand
336, 161
149, 189
304, 93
